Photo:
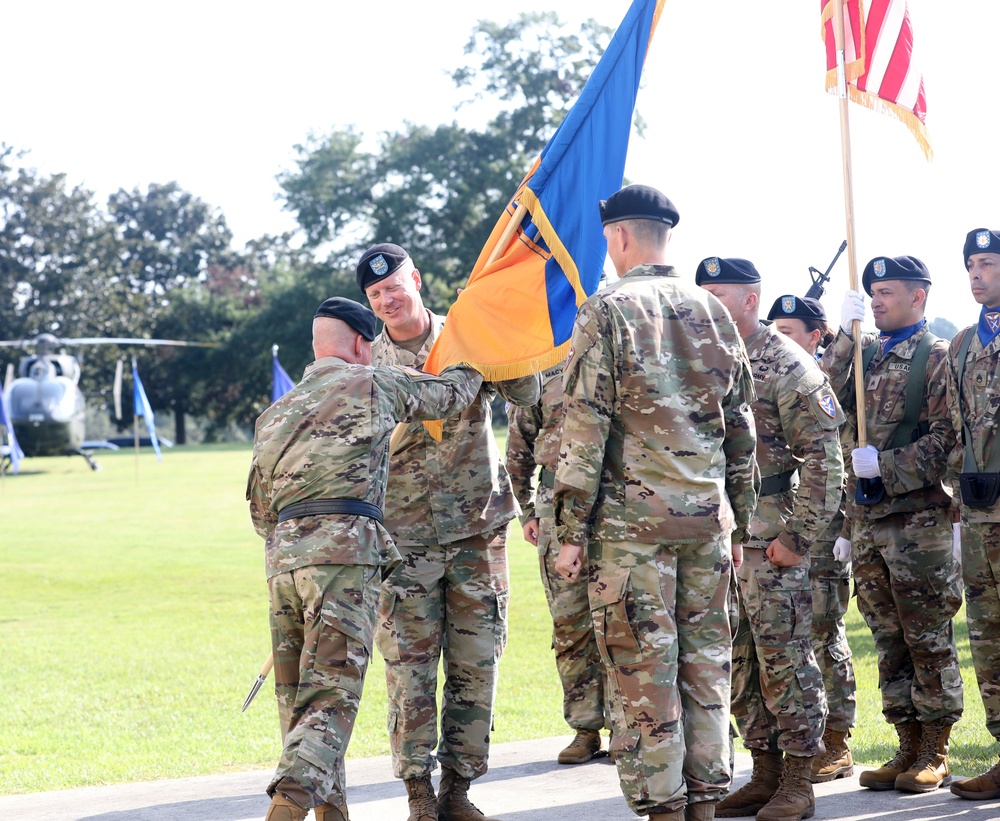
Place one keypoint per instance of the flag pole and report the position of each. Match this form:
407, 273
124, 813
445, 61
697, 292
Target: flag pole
852, 257
508, 232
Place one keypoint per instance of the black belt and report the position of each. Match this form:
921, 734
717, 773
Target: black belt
316, 507
778, 483
547, 478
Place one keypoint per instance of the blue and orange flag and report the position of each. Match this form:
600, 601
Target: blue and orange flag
546, 253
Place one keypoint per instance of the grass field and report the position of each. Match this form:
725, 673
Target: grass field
133, 619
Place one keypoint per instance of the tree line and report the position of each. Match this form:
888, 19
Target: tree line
161, 262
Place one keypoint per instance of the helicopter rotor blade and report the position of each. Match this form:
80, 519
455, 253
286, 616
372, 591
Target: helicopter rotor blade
106, 340
16, 343
117, 390
9, 377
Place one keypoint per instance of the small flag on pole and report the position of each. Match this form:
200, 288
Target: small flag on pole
141, 408
281, 382
15, 452
878, 68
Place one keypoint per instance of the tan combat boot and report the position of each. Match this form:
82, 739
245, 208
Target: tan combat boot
763, 784
282, 809
930, 770
794, 799
421, 798
582, 748
981, 787
675, 815
884, 778
453, 799
328, 812
700, 811
837, 761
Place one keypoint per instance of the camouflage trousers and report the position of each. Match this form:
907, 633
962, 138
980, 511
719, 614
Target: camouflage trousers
322, 624
909, 592
444, 601
662, 625
830, 582
779, 701
981, 573
578, 661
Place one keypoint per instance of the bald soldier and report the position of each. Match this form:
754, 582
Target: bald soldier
316, 488
448, 506
779, 700
656, 471
898, 522
973, 401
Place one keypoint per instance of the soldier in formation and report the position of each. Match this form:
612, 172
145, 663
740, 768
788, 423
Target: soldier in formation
316, 488
898, 521
448, 505
803, 320
779, 700
532, 441
650, 519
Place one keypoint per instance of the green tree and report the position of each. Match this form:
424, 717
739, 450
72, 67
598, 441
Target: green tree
438, 190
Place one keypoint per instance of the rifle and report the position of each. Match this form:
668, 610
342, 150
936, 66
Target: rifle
820, 279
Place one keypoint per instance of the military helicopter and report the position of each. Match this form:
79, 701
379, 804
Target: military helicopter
45, 403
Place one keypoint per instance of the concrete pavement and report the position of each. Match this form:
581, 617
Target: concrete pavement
524, 784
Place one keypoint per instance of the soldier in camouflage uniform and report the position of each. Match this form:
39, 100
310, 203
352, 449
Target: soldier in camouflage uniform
898, 523
533, 440
976, 351
803, 320
315, 490
448, 505
779, 700
656, 471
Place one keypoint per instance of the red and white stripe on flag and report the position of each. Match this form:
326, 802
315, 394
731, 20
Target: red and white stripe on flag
879, 70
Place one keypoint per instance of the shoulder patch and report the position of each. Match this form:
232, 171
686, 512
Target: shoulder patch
828, 405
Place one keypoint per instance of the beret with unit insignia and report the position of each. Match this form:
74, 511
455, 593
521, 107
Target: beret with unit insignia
981, 241
726, 271
885, 268
379, 261
797, 307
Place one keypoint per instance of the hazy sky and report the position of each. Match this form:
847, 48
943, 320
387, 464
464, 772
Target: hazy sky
741, 134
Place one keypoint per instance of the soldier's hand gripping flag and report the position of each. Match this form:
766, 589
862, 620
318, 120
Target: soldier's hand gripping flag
546, 253
878, 68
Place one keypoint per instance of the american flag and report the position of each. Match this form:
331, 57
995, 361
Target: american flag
879, 71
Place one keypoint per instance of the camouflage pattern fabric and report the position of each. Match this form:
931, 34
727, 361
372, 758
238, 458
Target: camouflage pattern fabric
980, 525
322, 624
453, 599
656, 461
447, 506
440, 492
779, 697
328, 438
911, 474
981, 572
663, 631
830, 582
907, 580
532, 440
909, 591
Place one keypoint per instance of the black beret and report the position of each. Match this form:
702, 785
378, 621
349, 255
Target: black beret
725, 271
797, 307
883, 268
638, 202
378, 262
355, 314
982, 241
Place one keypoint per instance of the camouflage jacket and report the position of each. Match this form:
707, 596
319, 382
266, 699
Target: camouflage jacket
658, 439
981, 406
440, 492
912, 475
328, 438
533, 441
798, 421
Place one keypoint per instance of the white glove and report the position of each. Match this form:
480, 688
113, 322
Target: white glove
842, 549
865, 461
956, 541
853, 308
